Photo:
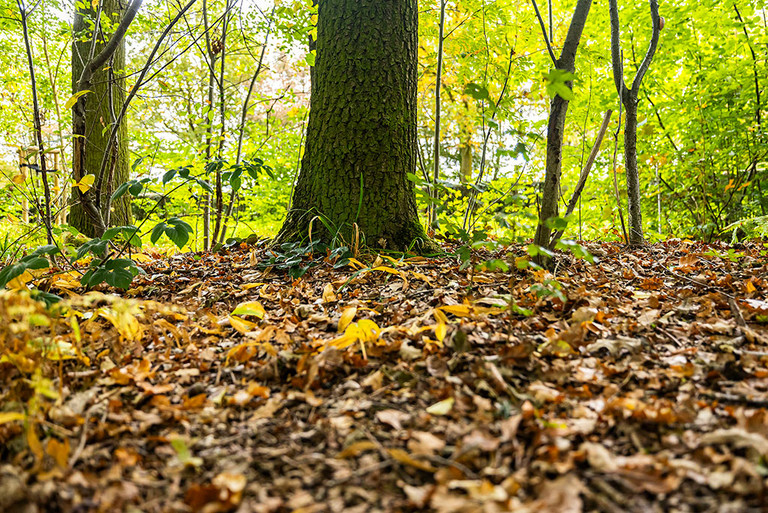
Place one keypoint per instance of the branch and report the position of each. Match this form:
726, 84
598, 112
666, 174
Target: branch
567, 60
584, 174
616, 59
114, 41
544, 33
132, 93
651, 47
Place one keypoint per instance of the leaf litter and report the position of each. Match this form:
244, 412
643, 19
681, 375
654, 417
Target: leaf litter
214, 385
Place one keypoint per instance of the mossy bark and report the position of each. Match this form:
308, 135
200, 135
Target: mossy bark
107, 95
361, 135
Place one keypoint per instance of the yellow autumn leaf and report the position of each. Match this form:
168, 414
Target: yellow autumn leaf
401, 456
441, 408
356, 263
241, 325
33, 442
20, 282
457, 310
124, 321
85, 183
19, 179
346, 317
369, 330
362, 331
10, 416
59, 451
387, 270
73, 99
356, 449
253, 308
328, 294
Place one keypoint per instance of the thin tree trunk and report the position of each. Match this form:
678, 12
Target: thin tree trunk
556, 126
38, 132
629, 97
436, 149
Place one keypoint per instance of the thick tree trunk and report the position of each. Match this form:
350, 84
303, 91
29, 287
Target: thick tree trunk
633, 176
95, 112
361, 135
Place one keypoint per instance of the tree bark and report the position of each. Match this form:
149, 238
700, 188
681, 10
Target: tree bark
556, 126
93, 116
629, 97
361, 135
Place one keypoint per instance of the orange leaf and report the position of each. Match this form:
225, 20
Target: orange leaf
59, 451
356, 449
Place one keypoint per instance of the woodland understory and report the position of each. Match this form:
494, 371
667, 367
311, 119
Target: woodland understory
219, 383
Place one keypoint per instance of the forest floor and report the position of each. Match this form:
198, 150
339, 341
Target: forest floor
214, 385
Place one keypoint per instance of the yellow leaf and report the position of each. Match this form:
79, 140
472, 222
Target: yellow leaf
249, 286
59, 451
86, 183
405, 458
369, 330
346, 317
356, 263
34, 442
73, 99
241, 325
440, 330
20, 282
392, 260
457, 310
253, 308
355, 449
19, 179
10, 416
441, 408
387, 270
124, 321
328, 294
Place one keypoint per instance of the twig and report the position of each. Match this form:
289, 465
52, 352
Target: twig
584, 174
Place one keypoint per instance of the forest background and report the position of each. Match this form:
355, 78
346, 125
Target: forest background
701, 137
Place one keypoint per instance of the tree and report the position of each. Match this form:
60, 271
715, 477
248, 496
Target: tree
629, 98
556, 124
361, 134
97, 64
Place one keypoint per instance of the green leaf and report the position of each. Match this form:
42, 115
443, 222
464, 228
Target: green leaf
157, 232
135, 189
477, 91
169, 175
120, 191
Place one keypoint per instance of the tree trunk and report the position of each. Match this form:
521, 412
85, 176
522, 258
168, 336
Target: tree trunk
556, 127
91, 121
551, 191
361, 135
465, 154
628, 96
633, 176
